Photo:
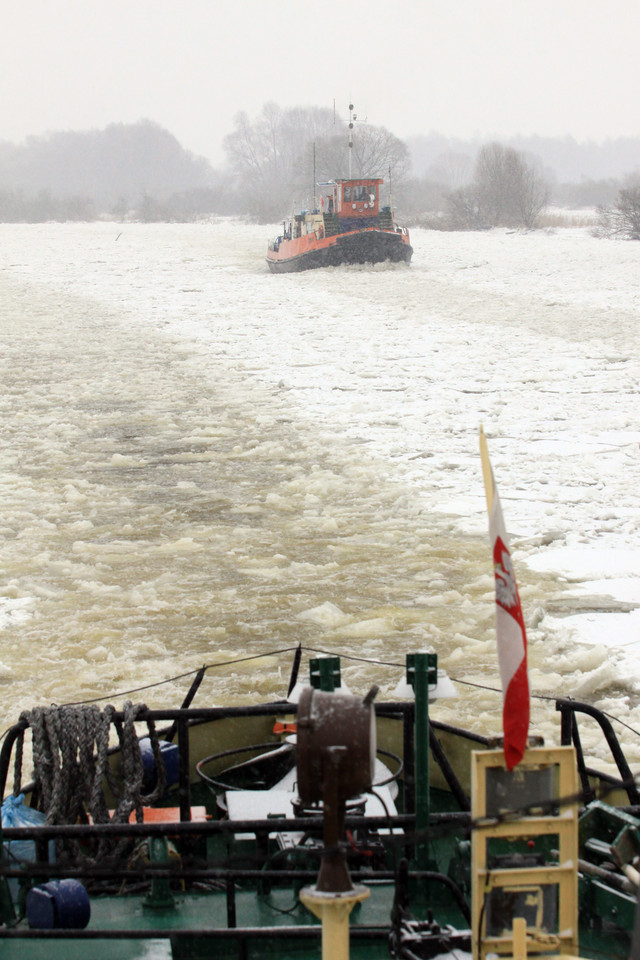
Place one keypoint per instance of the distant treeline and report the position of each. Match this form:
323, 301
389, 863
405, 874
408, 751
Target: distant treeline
18, 206
124, 170
564, 159
140, 171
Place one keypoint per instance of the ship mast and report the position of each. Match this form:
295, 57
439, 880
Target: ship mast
352, 118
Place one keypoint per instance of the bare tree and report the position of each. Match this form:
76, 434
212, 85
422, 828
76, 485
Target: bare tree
378, 153
623, 218
462, 210
273, 158
490, 184
266, 156
452, 169
510, 190
532, 195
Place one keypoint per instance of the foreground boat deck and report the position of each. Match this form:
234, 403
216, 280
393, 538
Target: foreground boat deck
207, 914
292, 931
203, 877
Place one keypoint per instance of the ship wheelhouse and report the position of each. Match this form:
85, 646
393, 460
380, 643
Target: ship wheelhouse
358, 198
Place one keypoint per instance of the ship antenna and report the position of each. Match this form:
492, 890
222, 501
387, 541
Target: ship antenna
313, 192
352, 117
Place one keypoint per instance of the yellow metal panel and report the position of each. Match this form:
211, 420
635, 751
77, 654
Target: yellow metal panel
526, 880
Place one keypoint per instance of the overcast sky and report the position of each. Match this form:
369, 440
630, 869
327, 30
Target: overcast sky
459, 67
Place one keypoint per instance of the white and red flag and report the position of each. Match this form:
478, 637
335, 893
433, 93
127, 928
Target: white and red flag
510, 631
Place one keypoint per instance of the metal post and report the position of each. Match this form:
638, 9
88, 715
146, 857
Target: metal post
7, 913
424, 667
333, 910
635, 942
184, 789
315, 205
160, 896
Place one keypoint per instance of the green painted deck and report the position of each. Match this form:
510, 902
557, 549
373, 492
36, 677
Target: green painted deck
277, 909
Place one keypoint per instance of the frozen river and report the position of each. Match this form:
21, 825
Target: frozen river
201, 461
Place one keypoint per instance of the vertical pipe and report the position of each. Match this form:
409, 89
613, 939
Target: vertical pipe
231, 904
408, 750
184, 788
334, 912
193, 689
422, 663
566, 725
635, 942
408, 724
335, 933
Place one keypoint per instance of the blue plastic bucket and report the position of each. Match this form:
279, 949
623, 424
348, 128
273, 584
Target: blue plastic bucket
58, 905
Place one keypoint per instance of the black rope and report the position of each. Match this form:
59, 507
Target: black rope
180, 676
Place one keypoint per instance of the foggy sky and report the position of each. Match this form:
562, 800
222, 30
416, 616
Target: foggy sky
463, 68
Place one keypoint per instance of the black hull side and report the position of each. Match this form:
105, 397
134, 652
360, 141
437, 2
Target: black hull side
372, 246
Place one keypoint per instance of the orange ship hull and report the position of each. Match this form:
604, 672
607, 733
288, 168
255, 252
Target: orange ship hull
371, 245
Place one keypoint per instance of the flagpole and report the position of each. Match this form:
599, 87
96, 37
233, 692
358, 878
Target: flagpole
487, 472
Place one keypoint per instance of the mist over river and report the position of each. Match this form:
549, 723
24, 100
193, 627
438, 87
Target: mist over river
201, 462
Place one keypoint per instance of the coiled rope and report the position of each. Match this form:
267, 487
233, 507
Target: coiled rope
71, 769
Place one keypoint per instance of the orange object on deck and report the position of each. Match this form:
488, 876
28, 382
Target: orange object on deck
280, 727
169, 815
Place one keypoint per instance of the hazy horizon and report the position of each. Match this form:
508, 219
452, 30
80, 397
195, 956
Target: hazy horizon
468, 70
84, 153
